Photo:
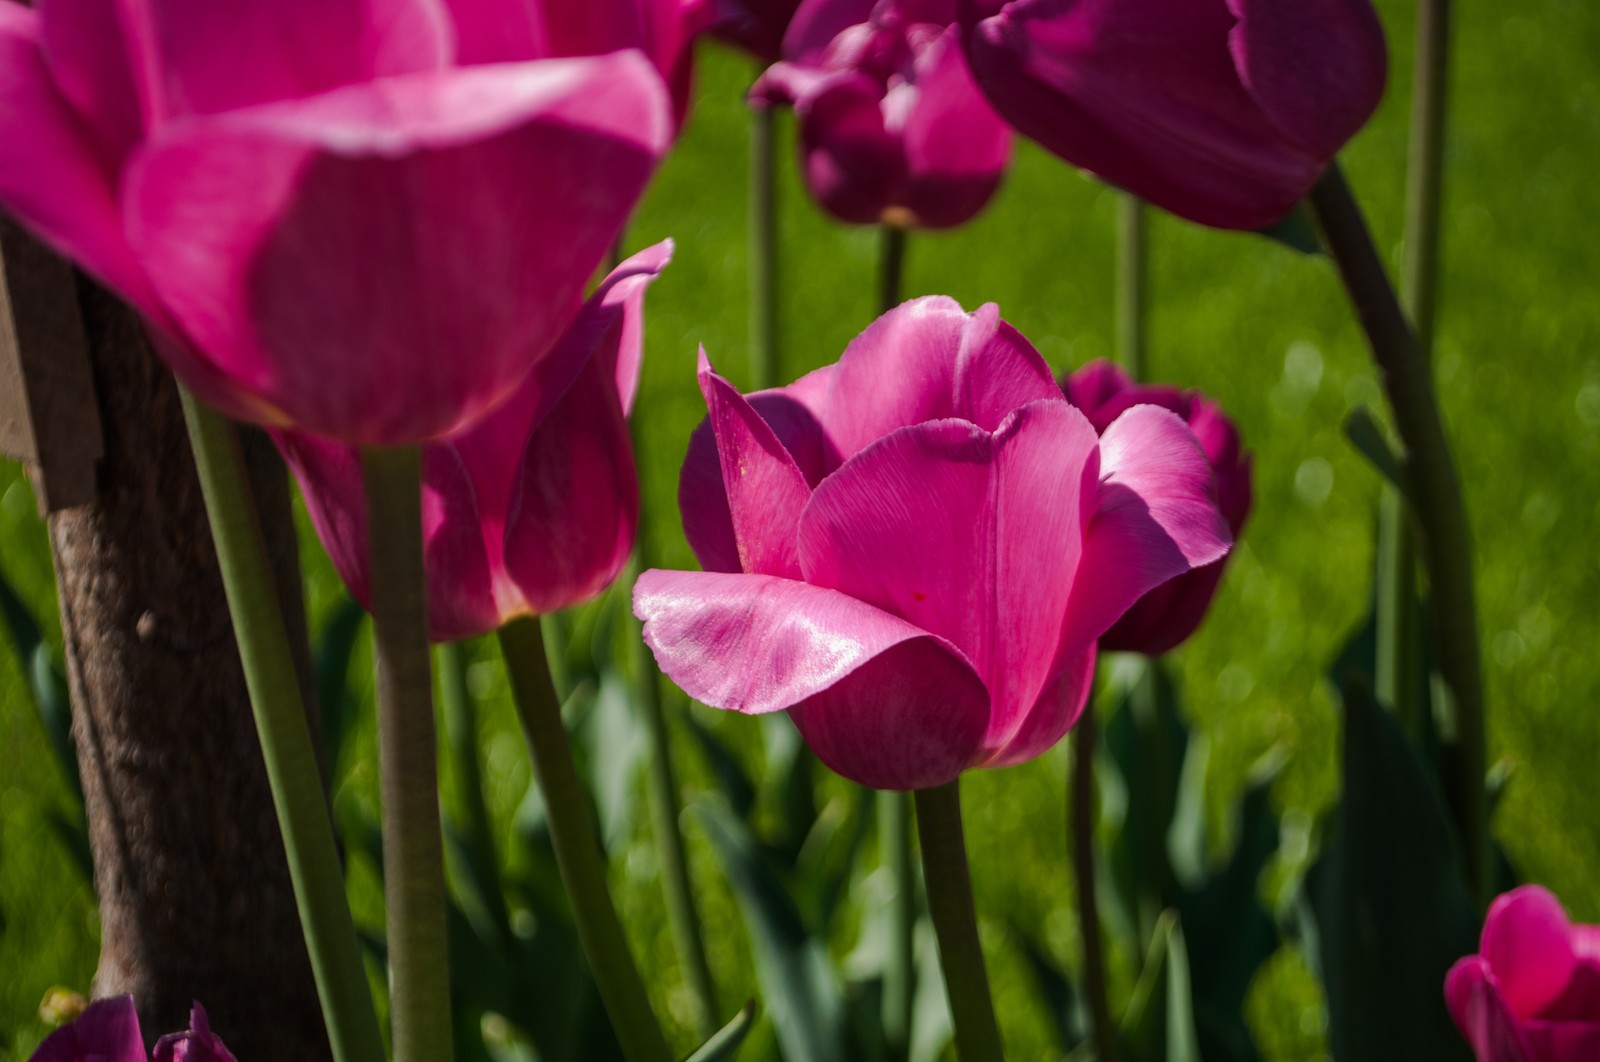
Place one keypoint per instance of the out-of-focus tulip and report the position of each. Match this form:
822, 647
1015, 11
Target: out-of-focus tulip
329, 217
892, 127
1532, 993
1167, 615
108, 1031
915, 550
534, 507
1224, 112
757, 26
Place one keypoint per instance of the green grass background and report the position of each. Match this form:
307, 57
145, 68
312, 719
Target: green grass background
1259, 327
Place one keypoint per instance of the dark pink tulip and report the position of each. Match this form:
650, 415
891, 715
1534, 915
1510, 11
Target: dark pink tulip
1167, 615
757, 26
534, 507
1532, 993
1224, 112
108, 1031
915, 550
892, 127
329, 219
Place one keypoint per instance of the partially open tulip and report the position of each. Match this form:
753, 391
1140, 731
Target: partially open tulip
1167, 615
1532, 993
534, 507
108, 1031
915, 550
892, 127
1224, 112
336, 218
757, 26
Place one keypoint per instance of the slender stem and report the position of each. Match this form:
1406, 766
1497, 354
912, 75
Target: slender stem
763, 250
286, 745
1103, 1030
966, 980
578, 855
408, 769
1440, 508
1132, 280
891, 267
460, 713
666, 812
899, 988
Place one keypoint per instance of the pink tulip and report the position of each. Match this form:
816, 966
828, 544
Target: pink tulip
757, 26
328, 218
534, 507
1224, 112
892, 127
1167, 615
915, 550
108, 1031
1532, 993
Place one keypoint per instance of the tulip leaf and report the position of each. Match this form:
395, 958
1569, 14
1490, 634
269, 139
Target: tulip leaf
1390, 909
331, 658
1362, 429
1159, 1023
725, 1043
733, 781
1055, 989
802, 990
614, 744
1294, 231
46, 682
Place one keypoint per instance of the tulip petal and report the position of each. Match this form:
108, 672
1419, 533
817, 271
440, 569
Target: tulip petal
273, 234
969, 535
926, 360
498, 31
1316, 67
199, 1044
1482, 1014
53, 178
108, 1030
817, 22
201, 57
90, 59
956, 146
855, 167
1157, 518
1055, 711
1527, 943
757, 643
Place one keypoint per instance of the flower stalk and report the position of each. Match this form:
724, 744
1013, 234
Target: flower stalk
763, 249
1103, 1030
286, 746
408, 778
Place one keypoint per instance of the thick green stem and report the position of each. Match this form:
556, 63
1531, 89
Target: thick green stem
899, 987
763, 250
1103, 1032
286, 745
1132, 279
460, 713
955, 921
408, 769
1440, 509
578, 855
891, 267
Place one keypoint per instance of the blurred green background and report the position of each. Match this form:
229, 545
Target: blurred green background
1261, 328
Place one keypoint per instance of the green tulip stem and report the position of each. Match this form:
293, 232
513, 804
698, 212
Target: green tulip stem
578, 855
1103, 1032
955, 921
763, 249
1440, 510
891, 267
291, 759
1132, 282
408, 774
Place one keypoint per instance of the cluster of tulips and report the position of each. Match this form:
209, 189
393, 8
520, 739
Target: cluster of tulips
372, 226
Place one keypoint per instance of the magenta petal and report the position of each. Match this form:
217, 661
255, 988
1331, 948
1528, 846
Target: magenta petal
758, 643
1316, 67
968, 535
1055, 711
1482, 1015
912, 717
498, 31
816, 23
108, 1031
854, 166
956, 146
329, 474
90, 58
925, 360
1157, 518
200, 57
53, 178
271, 235
199, 1044
1527, 943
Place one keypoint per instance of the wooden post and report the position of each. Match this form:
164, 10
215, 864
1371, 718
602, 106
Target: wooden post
195, 899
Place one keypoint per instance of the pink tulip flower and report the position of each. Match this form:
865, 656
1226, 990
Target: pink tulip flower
333, 218
892, 127
914, 551
1166, 616
1224, 112
534, 507
757, 26
108, 1031
1532, 993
